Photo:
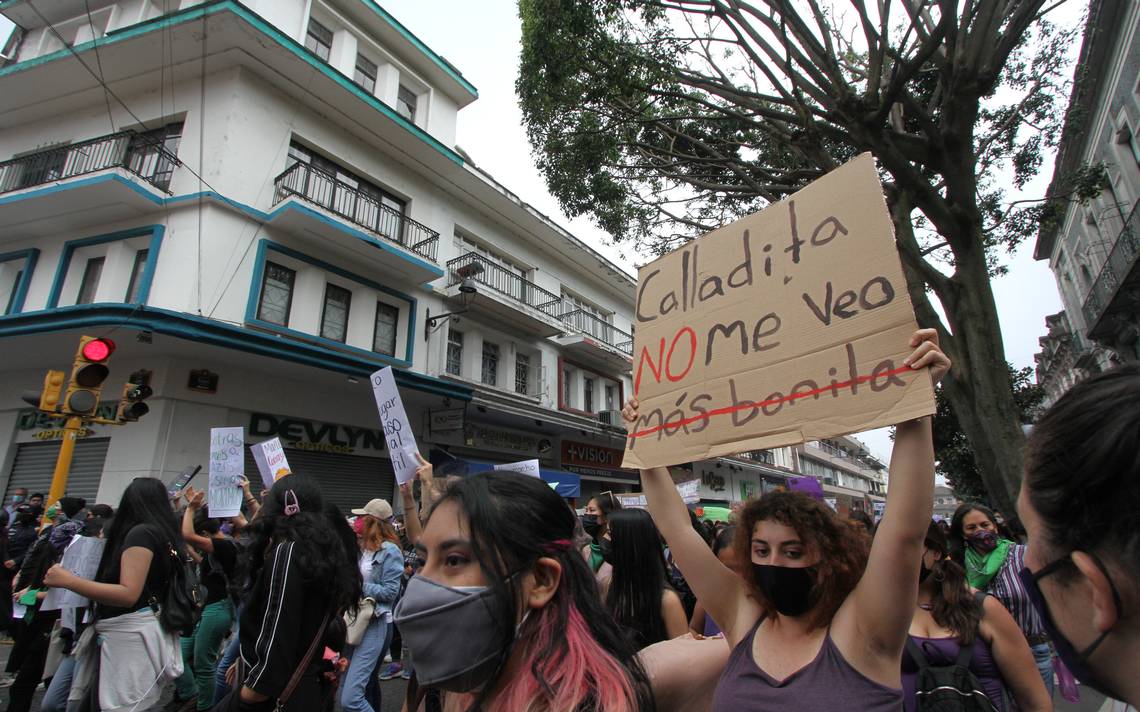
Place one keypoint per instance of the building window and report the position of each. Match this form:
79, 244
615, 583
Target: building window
334, 318
90, 284
522, 374
490, 372
135, 285
276, 294
406, 103
454, 352
12, 294
566, 390
365, 74
384, 338
319, 39
611, 397
152, 154
588, 394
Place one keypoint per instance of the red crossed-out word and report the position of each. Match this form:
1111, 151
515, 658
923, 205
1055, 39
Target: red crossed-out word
676, 424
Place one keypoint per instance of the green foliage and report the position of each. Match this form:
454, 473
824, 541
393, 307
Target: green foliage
953, 454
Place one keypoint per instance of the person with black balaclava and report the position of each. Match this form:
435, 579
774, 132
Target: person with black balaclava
21, 537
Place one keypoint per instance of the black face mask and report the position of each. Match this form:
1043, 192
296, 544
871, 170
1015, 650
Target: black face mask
591, 525
789, 589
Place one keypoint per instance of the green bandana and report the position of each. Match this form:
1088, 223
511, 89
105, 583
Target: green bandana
981, 568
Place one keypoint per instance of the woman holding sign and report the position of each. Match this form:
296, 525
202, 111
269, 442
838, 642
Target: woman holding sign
819, 622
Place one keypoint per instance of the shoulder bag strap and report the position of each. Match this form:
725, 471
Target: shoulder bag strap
916, 653
296, 679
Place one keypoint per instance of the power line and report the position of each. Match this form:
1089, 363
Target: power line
99, 62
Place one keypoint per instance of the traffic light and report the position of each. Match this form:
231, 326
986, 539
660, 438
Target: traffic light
136, 390
47, 400
87, 375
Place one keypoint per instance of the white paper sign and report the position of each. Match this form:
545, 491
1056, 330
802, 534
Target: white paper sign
271, 461
690, 491
227, 460
397, 430
525, 467
82, 559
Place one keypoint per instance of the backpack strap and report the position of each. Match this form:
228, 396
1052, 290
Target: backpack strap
916, 654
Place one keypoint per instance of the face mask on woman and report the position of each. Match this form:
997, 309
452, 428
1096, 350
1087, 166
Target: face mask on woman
984, 540
789, 589
591, 525
358, 525
453, 632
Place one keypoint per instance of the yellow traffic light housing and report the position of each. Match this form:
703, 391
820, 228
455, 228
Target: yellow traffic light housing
47, 400
87, 375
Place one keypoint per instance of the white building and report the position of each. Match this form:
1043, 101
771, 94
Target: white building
270, 191
1093, 249
847, 470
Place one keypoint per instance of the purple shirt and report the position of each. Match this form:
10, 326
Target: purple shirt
944, 651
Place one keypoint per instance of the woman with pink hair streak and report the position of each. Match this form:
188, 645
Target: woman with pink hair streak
504, 613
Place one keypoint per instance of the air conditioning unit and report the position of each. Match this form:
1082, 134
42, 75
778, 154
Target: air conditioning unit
610, 417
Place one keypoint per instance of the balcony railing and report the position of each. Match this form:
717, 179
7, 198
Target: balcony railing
597, 327
148, 159
492, 274
1114, 273
357, 206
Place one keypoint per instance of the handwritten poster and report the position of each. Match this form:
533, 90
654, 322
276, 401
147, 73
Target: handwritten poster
397, 430
182, 480
82, 559
271, 461
227, 460
690, 492
524, 467
785, 326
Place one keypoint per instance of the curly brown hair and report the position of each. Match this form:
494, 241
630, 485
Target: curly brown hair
842, 549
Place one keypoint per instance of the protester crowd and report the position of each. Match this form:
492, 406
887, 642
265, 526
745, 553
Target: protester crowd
501, 597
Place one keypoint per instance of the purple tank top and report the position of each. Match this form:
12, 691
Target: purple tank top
943, 651
827, 683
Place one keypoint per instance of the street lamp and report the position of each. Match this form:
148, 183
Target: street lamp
468, 292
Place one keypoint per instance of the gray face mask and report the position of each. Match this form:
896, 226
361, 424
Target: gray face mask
454, 633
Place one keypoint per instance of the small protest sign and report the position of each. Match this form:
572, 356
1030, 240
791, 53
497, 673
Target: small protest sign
82, 559
227, 461
182, 480
524, 467
271, 460
785, 326
397, 429
690, 493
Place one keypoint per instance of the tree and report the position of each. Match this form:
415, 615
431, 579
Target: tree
952, 451
663, 119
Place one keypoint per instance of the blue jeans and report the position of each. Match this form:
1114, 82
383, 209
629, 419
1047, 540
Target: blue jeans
1043, 656
229, 657
360, 689
55, 699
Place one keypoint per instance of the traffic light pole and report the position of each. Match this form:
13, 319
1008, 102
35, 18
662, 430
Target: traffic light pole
71, 429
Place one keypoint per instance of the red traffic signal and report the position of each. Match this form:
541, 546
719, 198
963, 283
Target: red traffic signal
98, 349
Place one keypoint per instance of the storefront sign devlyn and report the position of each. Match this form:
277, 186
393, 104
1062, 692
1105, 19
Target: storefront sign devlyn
300, 434
31, 424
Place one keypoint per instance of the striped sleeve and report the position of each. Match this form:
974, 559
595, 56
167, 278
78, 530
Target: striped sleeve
1007, 588
277, 651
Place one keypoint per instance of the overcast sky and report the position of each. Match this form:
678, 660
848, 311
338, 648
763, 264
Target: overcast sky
482, 39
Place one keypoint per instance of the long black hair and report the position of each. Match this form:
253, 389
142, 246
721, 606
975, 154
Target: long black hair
144, 502
957, 537
320, 547
514, 520
954, 606
638, 581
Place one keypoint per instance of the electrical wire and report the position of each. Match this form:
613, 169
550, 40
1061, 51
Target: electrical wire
99, 63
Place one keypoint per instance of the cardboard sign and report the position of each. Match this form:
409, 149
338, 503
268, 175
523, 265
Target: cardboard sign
785, 326
182, 480
271, 461
82, 559
526, 467
397, 430
227, 461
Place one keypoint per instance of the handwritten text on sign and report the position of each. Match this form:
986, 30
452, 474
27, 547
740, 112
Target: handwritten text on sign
227, 460
787, 325
397, 430
271, 460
